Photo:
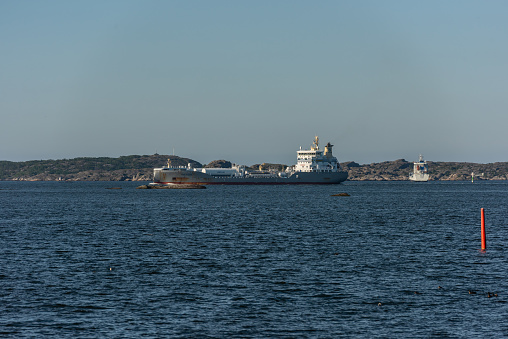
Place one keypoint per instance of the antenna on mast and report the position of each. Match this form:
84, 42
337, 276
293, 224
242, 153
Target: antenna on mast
315, 144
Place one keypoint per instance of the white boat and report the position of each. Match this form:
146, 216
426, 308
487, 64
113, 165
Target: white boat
420, 171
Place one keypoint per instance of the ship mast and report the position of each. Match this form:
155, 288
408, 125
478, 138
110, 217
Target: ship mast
315, 144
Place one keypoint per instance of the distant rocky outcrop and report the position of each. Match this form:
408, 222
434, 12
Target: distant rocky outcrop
219, 164
268, 167
388, 170
350, 164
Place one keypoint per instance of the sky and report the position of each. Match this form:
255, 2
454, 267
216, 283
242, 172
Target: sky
252, 81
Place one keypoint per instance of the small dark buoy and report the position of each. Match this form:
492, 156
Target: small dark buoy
340, 195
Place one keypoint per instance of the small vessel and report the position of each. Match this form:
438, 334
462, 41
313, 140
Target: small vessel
420, 171
314, 166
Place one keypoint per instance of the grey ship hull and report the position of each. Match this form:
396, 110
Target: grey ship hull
183, 176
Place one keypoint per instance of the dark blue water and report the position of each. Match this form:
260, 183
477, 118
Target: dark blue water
395, 259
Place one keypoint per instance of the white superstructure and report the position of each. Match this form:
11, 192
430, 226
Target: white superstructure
420, 170
315, 160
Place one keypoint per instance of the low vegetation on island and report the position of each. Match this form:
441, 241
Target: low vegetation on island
140, 168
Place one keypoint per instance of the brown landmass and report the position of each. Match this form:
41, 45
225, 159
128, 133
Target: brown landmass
140, 168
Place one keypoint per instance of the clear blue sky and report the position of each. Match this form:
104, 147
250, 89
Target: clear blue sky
251, 81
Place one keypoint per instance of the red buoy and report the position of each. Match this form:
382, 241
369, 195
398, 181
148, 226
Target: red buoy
484, 240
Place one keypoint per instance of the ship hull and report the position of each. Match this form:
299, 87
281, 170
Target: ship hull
419, 177
166, 177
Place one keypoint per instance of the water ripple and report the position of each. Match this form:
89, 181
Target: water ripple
391, 260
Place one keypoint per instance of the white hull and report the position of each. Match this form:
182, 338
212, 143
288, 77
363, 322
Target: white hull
419, 177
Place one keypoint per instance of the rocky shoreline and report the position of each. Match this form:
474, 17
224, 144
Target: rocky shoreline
140, 168
400, 169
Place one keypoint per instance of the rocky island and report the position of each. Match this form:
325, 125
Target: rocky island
140, 168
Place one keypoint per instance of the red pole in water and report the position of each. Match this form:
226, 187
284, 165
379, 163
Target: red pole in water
484, 241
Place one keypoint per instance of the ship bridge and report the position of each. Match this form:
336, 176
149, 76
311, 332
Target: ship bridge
314, 160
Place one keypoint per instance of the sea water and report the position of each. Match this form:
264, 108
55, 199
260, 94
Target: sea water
393, 259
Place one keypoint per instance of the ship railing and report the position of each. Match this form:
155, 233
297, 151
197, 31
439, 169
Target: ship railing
261, 175
174, 167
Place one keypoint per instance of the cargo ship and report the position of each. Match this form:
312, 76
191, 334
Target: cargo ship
313, 167
420, 169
